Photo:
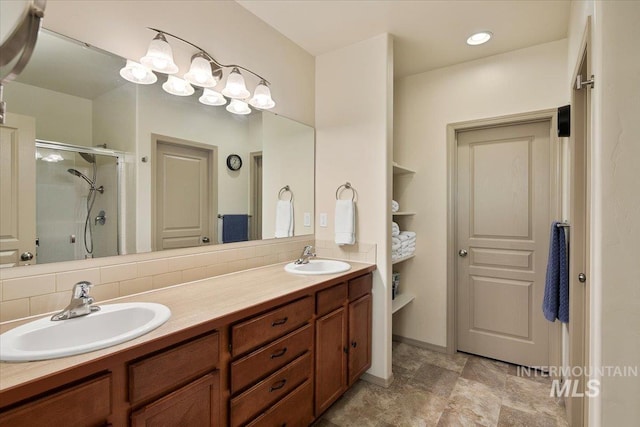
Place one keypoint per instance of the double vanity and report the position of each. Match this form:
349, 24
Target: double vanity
260, 347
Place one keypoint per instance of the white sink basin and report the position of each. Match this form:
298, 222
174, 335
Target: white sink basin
318, 266
114, 324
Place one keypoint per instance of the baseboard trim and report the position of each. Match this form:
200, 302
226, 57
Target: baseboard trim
379, 381
421, 344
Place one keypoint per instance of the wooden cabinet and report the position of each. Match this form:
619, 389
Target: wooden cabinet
194, 405
265, 384
343, 339
260, 367
85, 404
359, 337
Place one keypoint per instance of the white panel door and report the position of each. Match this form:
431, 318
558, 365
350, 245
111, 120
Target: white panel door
17, 191
503, 219
183, 197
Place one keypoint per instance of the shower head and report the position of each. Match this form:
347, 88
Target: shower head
91, 158
81, 175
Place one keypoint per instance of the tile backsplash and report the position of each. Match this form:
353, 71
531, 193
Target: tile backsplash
43, 288
28, 291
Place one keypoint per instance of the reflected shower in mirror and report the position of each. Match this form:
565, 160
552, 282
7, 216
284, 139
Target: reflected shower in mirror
75, 96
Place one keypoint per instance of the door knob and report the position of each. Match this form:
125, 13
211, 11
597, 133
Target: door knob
205, 240
26, 256
462, 252
582, 277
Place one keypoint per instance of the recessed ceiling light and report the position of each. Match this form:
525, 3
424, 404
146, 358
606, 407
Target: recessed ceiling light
479, 38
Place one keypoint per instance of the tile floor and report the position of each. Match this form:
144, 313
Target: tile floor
435, 389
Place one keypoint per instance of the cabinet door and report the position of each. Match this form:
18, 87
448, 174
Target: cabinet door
359, 337
195, 405
331, 358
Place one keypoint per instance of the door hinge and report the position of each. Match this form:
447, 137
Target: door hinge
584, 83
229, 348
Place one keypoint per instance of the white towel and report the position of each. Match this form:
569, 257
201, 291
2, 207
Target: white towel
395, 229
403, 237
345, 220
395, 206
284, 218
395, 240
409, 233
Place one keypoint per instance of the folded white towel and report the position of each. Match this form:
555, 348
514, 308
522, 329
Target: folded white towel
403, 237
345, 220
395, 206
396, 246
395, 229
284, 218
409, 233
395, 240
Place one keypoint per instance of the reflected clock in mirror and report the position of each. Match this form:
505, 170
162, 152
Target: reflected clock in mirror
82, 101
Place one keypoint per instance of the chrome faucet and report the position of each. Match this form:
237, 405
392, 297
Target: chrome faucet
80, 304
306, 254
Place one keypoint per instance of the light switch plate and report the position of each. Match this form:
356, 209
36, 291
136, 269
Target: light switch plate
307, 219
323, 220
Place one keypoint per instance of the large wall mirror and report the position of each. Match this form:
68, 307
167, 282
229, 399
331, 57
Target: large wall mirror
122, 168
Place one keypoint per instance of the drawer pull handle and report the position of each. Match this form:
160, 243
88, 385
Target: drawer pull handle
278, 385
279, 353
280, 322
354, 344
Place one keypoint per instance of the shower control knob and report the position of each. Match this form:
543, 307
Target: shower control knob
205, 240
26, 256
462, 252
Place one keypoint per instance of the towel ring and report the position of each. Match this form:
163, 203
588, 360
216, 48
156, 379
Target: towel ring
284, 190
346, 186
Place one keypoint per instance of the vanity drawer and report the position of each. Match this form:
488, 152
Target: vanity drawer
329, 299
360, 286
294, 410
266, 360
158, 374
85, 404
273, 324
264, 394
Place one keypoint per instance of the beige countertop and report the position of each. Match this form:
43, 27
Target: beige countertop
191, 304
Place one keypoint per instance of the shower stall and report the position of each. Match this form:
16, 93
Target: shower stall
77, 201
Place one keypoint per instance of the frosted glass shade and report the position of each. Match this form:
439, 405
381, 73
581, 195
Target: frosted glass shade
137, 73
211, 97
238, 107
200, 73
235, 87
177, 86
159, 56
262, 97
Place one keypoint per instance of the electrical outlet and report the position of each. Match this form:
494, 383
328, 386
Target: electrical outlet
323, 220
307, 219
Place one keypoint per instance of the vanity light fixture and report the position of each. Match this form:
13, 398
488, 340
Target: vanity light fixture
479, 38
138, 73
238, 107
211, 97
204, 72
177, 86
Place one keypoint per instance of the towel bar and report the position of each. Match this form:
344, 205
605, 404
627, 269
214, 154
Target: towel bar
222, 216
563, 225
347, 186
284, 190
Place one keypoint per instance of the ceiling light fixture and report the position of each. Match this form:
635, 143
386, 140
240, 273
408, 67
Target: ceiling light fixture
204, 72
479, 38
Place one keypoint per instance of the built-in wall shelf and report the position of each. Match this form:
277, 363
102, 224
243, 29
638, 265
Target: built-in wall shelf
404, 258
401, 170
401, 300
401, 213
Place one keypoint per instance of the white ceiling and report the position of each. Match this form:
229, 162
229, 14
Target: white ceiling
428, 34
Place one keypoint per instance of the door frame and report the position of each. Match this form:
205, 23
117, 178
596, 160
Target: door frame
213, 182
254, 197
579, 163
555, 331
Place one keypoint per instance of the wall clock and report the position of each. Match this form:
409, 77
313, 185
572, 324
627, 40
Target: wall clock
234, 162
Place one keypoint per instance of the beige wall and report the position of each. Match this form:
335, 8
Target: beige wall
354, 92
60, 117
225, 29
616, 192
520, 81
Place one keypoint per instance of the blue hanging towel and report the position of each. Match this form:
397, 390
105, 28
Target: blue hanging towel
235, 228
556, 290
